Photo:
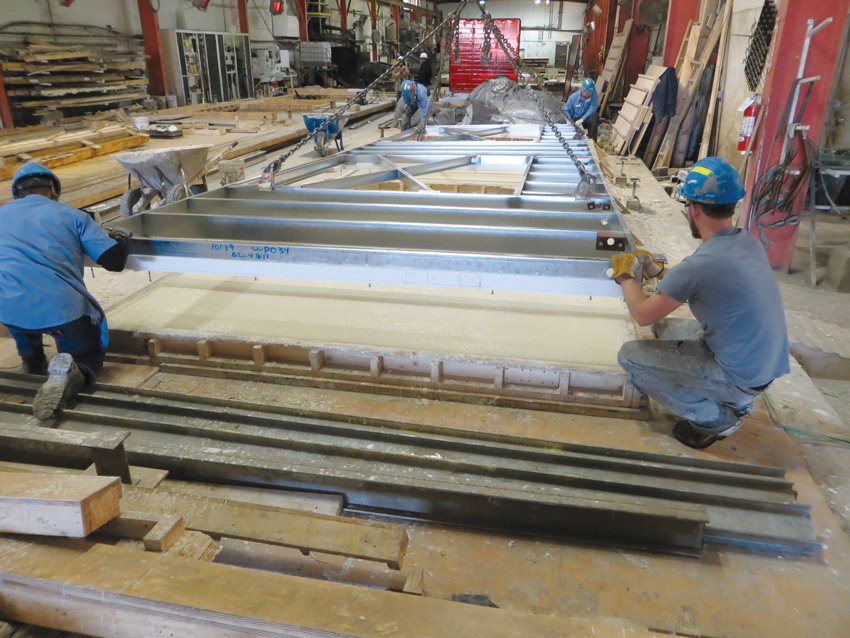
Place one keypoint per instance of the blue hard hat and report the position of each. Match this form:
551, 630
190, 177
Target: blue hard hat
713, 180
588, 85
33, 168
406, 88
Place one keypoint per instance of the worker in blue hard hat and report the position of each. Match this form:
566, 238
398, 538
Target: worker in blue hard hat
707, 371
415, 98
582, 107
43, 245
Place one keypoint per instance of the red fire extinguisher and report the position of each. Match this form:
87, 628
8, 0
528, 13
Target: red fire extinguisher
749, 123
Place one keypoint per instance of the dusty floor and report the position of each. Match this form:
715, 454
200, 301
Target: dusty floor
729, 593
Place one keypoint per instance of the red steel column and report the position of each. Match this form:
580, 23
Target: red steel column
5, 110
302, 19
638, 47
243, 16
780, 77
678, 15
153, 49
342, 7
397, 19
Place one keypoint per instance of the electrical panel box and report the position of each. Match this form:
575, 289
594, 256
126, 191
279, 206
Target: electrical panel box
207, 66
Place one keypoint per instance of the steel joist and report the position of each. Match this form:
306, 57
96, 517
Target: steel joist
380, 214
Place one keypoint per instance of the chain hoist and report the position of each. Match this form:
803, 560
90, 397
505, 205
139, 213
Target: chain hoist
587, 185
267, 176
486, 56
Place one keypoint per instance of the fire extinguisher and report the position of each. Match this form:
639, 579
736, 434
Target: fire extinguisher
749, 123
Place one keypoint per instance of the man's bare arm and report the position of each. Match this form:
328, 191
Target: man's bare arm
646, 310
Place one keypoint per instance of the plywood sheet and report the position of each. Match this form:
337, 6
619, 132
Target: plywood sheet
469, 324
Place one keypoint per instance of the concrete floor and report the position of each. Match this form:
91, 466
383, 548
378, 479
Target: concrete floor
728, 593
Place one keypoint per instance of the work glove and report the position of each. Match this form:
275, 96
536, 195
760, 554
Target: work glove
119, 235
651, 267
636, 265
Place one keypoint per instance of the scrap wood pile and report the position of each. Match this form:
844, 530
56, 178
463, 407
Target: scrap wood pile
683, 128
41, 77
60, 146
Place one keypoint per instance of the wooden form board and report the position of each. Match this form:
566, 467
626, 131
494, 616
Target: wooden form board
113, 592
614, 65
719, 72
303, 530
57, 504
692, 71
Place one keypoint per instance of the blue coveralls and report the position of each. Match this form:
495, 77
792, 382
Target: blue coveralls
43, 245
417, 99
577, 107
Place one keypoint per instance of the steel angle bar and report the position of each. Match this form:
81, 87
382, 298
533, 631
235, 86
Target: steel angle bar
407, 178
361, 458
478, 132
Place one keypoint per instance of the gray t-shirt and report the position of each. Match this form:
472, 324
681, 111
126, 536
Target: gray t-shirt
732, 292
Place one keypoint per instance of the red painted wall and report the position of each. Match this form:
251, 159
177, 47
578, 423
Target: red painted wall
596, 40
638, 46
678, 15
469, 72
780, 76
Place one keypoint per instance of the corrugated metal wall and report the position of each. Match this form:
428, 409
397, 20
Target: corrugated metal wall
468, 72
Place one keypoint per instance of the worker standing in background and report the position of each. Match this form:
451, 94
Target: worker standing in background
400, 74
582, 108
424, 75
708, 372
43, 244
415, 98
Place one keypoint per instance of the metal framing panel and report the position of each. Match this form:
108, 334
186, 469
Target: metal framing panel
542, 238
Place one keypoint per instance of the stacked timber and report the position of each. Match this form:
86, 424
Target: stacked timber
43, 79
54, 147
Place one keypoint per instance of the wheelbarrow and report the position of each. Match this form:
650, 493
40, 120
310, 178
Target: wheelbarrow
333, 131
167, 175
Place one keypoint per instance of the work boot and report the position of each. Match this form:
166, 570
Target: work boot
691, 435
35, 365
64, 382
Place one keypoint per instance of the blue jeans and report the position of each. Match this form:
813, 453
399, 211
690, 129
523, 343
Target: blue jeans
79, 338
683, 376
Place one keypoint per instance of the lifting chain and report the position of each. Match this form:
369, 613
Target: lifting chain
456, 39
587, 185
267, 176
486, 56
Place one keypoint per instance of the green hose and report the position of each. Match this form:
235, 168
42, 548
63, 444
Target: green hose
821, 437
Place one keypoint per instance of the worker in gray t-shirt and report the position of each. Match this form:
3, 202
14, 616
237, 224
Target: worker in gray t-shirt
710, 372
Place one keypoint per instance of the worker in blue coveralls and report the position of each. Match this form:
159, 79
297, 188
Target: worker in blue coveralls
582, 107
43, 244
707, 371
415, 97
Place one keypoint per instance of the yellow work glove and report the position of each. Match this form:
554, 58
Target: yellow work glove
625, 266
636, 265
651, 266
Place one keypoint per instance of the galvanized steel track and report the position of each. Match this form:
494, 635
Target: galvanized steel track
622, 497
547, 237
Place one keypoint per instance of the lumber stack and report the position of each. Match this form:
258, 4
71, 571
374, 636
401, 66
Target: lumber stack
54, 147
42, 78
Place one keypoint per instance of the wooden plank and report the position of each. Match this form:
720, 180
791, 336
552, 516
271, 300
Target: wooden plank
56, 504
665, 153
158, 532
719, 72
303, 530
614, 63
114, 592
